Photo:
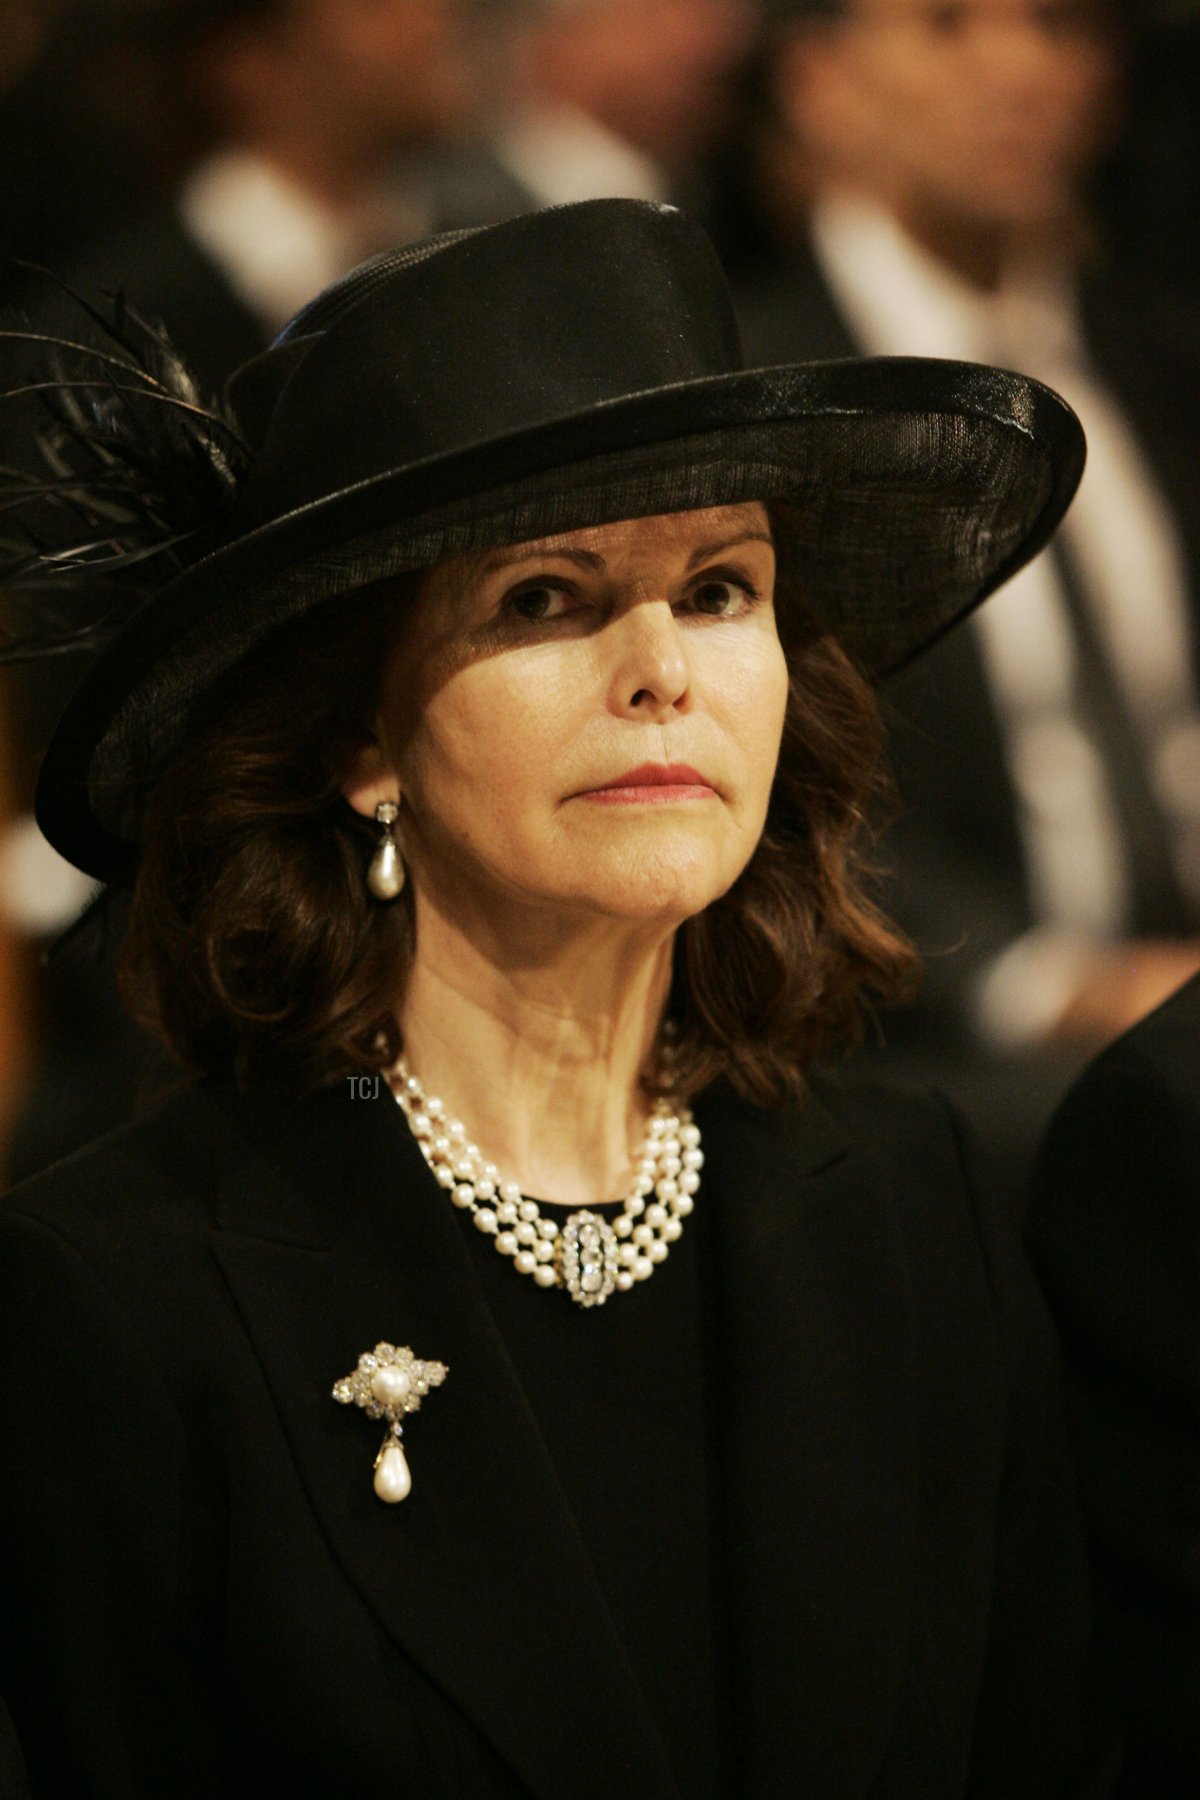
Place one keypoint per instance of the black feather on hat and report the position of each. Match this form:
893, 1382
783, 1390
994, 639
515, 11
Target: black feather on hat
563, 369
133, 465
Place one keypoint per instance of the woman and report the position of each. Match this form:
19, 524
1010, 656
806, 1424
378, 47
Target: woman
493, 755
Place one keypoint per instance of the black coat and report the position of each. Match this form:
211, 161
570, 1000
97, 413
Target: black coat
1115, 1227
202, 1596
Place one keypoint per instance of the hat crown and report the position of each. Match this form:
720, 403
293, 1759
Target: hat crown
483, 334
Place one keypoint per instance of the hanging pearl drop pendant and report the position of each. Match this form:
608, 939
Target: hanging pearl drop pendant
392, 1478
385, 875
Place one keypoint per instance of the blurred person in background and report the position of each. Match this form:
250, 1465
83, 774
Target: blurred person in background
68, 163
14, 1047
1149, 195
23, 24
22, 27
280, 128
284, 126
589, 99
1049, 857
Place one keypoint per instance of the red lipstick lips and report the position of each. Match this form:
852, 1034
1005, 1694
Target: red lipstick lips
659, 775
654, 781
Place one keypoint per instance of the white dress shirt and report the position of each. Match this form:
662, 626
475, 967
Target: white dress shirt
275, 241
562, 155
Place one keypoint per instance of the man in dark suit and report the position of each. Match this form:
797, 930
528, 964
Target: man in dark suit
595, 98
1047, 859
290, 121
1115, 1230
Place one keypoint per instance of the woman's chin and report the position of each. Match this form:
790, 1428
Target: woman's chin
656, 888
669, 873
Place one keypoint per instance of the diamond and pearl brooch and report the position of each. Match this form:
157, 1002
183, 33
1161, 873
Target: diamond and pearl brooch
389, 1383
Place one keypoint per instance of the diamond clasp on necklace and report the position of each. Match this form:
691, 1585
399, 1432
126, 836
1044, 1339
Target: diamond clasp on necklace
588, 1258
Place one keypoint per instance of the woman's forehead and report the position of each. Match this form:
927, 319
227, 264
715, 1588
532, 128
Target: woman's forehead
694, 533
697, 524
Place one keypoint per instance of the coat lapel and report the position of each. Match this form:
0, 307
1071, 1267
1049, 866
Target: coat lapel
332, 1237
817, 1443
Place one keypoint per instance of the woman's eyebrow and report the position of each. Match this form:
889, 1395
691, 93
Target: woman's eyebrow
594, 562
741, 537
503, 559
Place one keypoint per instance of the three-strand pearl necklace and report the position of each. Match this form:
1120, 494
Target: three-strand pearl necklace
587, 1256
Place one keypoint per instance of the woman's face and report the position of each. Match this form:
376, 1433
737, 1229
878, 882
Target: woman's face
589, 721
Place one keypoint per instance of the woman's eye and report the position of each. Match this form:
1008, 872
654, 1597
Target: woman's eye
721, 596
538, 601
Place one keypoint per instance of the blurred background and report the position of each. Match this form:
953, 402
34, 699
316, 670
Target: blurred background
1009, 181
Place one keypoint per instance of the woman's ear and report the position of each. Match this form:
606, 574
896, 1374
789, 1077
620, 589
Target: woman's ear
371, 781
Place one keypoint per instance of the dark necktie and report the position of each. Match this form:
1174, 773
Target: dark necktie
1157, 903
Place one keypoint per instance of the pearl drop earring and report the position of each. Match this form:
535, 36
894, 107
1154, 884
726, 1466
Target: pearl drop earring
385, 876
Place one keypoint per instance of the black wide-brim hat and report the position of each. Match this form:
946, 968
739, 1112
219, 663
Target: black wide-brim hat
564, 369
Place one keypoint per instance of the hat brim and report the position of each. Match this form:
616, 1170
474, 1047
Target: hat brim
913, 488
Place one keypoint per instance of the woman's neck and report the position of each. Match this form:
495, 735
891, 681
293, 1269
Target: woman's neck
540, 1053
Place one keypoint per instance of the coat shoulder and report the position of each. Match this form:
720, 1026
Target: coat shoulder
1150, 1070
913, 1134
885, 1148
160, 1170
1114, 1227
886, 1114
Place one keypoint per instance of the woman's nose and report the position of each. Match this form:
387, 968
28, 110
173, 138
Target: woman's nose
651, 673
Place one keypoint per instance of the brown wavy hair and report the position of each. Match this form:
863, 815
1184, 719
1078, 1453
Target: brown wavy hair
255, 948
